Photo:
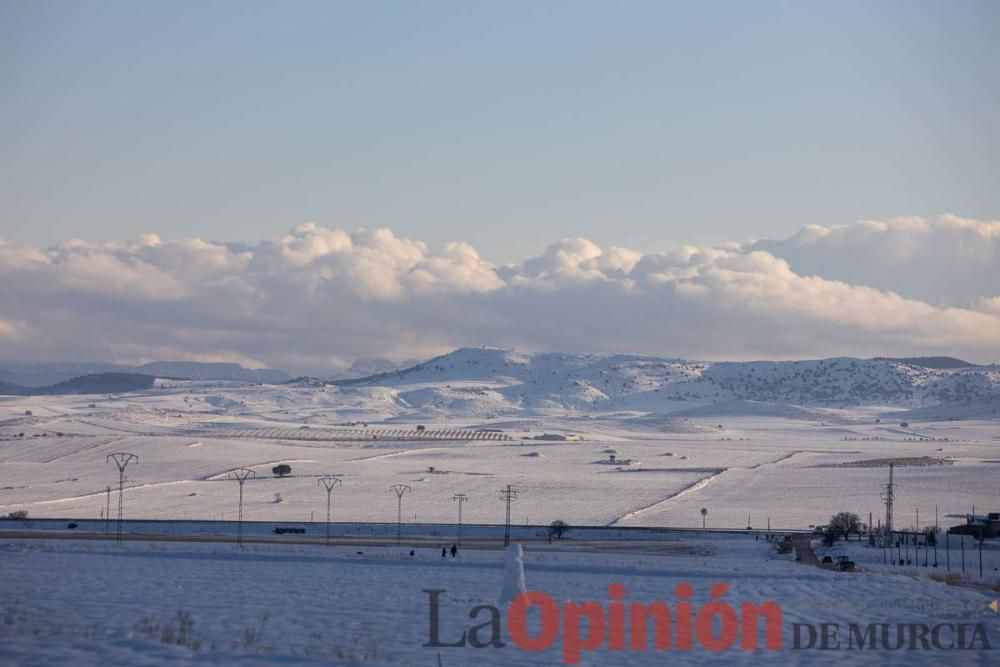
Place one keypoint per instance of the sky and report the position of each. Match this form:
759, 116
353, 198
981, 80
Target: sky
156, 156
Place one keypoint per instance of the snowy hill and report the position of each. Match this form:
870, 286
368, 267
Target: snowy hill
491, 382
41, 374
95, 383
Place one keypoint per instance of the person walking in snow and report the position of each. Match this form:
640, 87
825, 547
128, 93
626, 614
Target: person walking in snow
454, 551
444, 552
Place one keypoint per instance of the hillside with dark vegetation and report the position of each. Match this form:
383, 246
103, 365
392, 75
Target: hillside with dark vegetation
97, 383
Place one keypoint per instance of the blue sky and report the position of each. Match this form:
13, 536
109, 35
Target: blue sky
507, 125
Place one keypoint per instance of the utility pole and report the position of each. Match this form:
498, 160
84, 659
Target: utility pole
980, 552
934, 534
121, 459
508, 494
947, 549
400, 489
241, 477
961, 539
461, 498
328, 483
107, 512
888, 497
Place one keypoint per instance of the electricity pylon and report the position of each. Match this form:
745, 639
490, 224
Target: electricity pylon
328, 483
241, 477
121, 459
400, 489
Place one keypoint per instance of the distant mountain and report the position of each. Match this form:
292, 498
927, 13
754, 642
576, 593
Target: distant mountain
98, 383
42, 374
491, 382
8, 389
193, 370
364, 368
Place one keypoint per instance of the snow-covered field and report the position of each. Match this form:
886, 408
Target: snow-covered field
611, 441
477, 421
146, 603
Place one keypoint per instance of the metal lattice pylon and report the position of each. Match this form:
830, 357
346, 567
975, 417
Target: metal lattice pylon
328, 483
121, 459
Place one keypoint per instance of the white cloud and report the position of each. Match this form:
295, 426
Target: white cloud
949, 260
317, 298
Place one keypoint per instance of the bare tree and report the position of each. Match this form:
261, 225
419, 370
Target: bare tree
557, 529
845, 523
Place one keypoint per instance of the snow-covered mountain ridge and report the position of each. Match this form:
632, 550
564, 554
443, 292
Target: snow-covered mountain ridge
507, 380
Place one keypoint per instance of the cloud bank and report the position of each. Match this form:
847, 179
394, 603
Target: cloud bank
948, 261
317, 298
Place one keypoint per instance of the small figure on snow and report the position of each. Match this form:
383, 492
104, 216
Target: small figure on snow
454, 551
444, 552
412, 553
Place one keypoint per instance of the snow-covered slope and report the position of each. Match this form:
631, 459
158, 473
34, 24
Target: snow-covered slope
490, 382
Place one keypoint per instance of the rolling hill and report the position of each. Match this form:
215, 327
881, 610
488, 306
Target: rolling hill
499, 381
97, 383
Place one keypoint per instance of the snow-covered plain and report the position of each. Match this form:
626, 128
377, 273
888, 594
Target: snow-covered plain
789, 442
93, 603
785, 445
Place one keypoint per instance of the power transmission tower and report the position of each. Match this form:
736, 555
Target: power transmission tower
461, 498
889, 496
508, 494
400, 489
121, 459
241, 477
328, 483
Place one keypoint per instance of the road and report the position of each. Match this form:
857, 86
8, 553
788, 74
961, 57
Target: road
804, 553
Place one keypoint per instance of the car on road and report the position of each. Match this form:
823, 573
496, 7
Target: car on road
844, 564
